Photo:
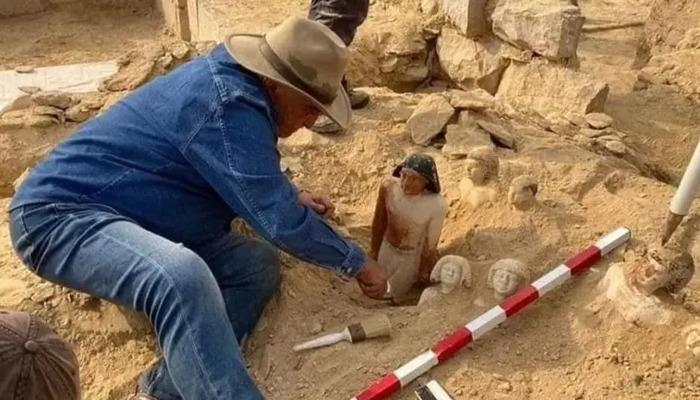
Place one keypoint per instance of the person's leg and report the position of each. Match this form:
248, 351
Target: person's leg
343, 17
112, 258
247, 272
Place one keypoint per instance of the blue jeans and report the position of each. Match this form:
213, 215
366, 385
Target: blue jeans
202, 299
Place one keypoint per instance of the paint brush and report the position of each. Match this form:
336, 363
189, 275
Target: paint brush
372, 327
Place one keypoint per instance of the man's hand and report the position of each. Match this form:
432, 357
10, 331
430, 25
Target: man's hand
372, 279
322, 204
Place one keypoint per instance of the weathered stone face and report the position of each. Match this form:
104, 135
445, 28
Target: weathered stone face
550, 28
522, 192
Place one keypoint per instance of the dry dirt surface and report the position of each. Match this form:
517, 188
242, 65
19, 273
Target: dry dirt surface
569, 345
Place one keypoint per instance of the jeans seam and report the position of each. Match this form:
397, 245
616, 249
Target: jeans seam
167, 276
29, 240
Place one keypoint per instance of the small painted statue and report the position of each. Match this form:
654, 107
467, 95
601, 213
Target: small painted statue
407, 223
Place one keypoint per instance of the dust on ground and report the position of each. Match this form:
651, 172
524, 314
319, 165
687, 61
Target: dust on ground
565, 346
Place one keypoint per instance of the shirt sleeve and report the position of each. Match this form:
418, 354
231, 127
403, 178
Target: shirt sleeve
236, 153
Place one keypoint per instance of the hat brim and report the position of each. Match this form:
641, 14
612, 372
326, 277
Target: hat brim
245, 49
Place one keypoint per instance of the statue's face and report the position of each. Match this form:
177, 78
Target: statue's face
450, 274
652, 276
505, 282
477, 171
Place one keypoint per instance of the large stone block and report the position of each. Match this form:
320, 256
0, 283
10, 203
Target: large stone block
550, 28
551, 90
469, 63
467, 15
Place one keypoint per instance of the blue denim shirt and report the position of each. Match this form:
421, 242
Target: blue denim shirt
182, 156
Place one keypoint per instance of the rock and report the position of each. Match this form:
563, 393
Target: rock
396, 56
135, 71
8, 123
550, 28
498, 133
548, 89
165, 61
429, 118
204, 47
467, 15
593, 133
471, 64
460, 139
637, 379
477, 99
24, 69
57, 113
78, 113
52, 98
522, 192
430, 7
41, 121
29, 89
599, 120
616, 147
180, 50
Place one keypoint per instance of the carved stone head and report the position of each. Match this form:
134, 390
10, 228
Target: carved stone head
507, 276
663, 268
452, 271
482, 165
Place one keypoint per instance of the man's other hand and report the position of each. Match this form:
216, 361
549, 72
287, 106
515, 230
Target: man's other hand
372, 279
322, 204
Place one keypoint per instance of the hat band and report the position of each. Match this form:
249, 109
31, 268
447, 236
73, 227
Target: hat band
289, 75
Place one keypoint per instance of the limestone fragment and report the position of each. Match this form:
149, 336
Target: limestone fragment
53, 99
24, 69
429, 118
460, 139
498, 133
599, 120
476, 99
616, 147
467, 15
550, 28
41, 121
78, 113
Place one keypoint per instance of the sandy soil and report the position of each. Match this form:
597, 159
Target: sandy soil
82, 31
567, 346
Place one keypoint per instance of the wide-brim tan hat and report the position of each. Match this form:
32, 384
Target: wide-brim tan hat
303, 55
